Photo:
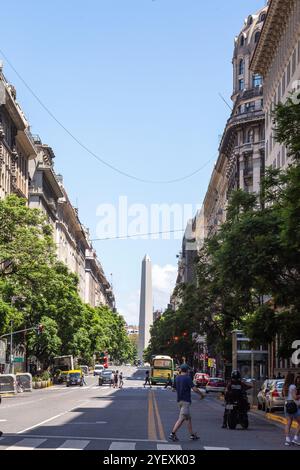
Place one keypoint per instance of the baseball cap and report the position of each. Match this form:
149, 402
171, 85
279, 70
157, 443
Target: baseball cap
184, 368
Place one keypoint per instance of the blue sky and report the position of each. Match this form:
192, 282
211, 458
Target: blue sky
137, 81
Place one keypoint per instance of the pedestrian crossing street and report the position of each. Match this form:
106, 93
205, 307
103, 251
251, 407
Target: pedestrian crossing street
56, 443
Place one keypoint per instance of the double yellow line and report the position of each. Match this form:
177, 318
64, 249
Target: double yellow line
155, 427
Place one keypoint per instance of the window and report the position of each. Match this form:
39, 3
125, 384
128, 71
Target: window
250, 136
263, 17
250, 20
288, 75
294, 62
256, 80
278, 160
241, 85
283, 85
242, 42
279, 93
257, 36
283, 156
241, 67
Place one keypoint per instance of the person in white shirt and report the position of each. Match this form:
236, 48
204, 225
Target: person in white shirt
291, 409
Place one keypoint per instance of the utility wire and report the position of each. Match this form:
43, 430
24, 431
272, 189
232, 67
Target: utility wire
136, 235
97, 157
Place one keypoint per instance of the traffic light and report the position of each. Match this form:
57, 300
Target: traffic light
40, 329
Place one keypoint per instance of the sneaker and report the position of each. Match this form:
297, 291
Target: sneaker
173, 437
288, 441
224, 426
296, 441
194, 437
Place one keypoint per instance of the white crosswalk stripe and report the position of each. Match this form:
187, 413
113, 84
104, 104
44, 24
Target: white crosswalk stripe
27, 444
73, 444
215, 448
168, 447
82, 444
122, 446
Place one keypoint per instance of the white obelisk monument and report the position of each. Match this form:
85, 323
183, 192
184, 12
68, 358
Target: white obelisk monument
146, 306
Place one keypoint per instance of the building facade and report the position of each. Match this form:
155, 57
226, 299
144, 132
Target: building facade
241, 160
277, 59
44, 187
16, 143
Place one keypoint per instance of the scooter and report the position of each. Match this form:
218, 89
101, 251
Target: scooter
237, 413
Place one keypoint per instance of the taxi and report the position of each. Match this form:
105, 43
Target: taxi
74, 377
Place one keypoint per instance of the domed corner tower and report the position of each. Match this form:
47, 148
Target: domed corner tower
243, 141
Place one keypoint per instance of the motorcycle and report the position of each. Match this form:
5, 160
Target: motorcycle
237, 413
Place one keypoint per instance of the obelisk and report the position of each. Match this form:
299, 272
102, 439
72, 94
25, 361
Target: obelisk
146, 306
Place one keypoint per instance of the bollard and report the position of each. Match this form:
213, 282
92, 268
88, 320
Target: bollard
24, 379
8, 384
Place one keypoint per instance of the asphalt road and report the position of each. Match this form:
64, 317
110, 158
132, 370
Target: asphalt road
102, 418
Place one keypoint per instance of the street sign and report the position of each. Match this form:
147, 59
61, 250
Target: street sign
18, 359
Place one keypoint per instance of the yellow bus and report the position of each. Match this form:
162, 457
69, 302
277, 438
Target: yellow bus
161, 368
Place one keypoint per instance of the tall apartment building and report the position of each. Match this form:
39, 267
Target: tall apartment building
277, 59
241, 161
16, 144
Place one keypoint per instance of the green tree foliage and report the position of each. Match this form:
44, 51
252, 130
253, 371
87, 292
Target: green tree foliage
248, 274
44, 291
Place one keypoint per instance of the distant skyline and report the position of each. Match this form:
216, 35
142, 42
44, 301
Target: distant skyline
138, 82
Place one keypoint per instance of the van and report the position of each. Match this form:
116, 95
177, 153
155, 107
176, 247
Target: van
98, 369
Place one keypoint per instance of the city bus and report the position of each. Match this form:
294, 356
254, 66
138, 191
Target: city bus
161, 367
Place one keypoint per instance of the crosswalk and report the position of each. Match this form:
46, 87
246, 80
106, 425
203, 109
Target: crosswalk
53, 443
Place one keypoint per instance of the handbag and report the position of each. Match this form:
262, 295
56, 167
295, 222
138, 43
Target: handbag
291, 407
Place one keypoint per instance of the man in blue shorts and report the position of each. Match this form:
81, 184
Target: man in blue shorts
184, 385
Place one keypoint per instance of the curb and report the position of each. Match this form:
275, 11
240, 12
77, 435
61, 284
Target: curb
280, 419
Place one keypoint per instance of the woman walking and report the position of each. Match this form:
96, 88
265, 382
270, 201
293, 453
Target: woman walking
291, 409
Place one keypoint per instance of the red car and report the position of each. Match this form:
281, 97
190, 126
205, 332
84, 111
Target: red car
200, 379
215, 384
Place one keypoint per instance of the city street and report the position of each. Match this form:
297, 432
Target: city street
101, 418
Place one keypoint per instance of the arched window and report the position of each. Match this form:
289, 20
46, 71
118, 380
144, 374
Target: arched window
257, 36
250, 20
241, 67
263, 17
242, 42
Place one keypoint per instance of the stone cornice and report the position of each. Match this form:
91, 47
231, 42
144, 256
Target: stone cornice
271, 33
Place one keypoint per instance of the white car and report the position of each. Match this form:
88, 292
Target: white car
98, 369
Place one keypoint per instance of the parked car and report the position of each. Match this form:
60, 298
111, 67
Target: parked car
98, 369
274, 398
106, 377
261, 397
215, 384
201, 379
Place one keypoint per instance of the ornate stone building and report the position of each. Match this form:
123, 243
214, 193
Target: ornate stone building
44, 187
277, 59
16, 144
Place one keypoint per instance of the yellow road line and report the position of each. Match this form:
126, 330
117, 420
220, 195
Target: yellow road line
158, 419
280, 419
152, 435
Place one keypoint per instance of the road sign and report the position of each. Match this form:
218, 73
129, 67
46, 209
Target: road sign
19, 359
